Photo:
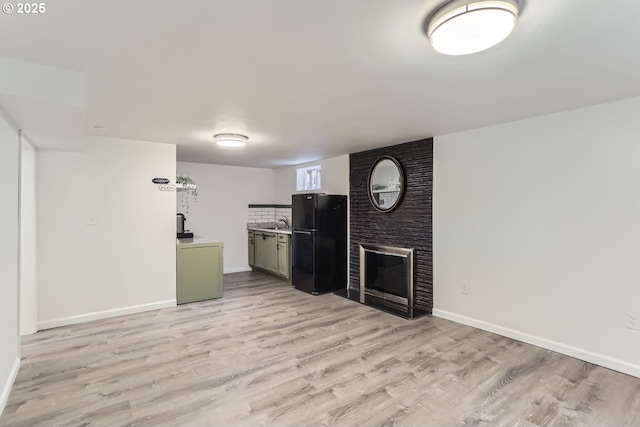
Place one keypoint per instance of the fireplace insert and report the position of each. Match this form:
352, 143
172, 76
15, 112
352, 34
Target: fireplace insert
386, 273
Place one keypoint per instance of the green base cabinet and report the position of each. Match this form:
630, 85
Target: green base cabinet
199, 271
270, 252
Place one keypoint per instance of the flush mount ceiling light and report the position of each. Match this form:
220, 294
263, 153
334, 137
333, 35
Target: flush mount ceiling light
461, 27
231, 140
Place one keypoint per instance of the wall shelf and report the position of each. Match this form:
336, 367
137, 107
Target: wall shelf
182, 187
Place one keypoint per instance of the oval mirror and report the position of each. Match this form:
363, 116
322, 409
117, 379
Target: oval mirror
386, 184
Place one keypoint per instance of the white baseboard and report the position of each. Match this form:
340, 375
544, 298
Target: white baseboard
72, 320
4, 397
578, 353
28, 331
237, 269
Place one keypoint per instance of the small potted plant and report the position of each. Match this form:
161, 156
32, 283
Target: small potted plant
188, 189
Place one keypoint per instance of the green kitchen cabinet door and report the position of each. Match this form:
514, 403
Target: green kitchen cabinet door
283, 256
252, 248
283, 260
267, 252
260, 248
199, 271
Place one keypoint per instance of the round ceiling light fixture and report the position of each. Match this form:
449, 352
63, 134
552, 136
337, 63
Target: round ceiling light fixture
230, 140
461, 27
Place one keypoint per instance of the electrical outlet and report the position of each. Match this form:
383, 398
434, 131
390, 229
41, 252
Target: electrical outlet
633, 321
466, 289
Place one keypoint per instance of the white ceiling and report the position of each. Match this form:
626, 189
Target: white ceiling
309, 79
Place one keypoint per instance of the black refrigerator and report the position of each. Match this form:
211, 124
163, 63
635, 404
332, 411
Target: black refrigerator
319, 242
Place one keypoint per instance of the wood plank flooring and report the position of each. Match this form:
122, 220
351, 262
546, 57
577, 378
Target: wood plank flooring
267, 354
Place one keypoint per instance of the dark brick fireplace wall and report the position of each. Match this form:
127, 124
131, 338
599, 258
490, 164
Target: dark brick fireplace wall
408, 226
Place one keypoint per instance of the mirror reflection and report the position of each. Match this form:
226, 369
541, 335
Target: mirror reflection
386, 184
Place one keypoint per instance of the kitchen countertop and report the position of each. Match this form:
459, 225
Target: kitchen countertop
271, 230
196, 239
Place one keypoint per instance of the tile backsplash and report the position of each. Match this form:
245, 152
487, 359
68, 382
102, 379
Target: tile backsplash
268, 213
283, 212
261, 215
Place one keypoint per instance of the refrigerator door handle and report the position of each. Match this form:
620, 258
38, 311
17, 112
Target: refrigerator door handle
303, 232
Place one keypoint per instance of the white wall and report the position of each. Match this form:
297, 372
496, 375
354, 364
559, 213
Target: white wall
9, 249
126, 261
28, 285
335, 178
541, 219
222, 211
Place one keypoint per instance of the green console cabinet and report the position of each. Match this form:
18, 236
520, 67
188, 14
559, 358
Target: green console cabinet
199, 270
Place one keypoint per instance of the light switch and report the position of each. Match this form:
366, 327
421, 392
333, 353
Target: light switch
92, 219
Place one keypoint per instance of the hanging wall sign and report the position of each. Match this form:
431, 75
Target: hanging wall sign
160, 180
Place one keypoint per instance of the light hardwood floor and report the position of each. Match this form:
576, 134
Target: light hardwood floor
267, 354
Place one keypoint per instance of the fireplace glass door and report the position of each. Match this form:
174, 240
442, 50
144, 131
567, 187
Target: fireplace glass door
386, 273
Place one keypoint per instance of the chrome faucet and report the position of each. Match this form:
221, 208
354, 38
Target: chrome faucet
286, 221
